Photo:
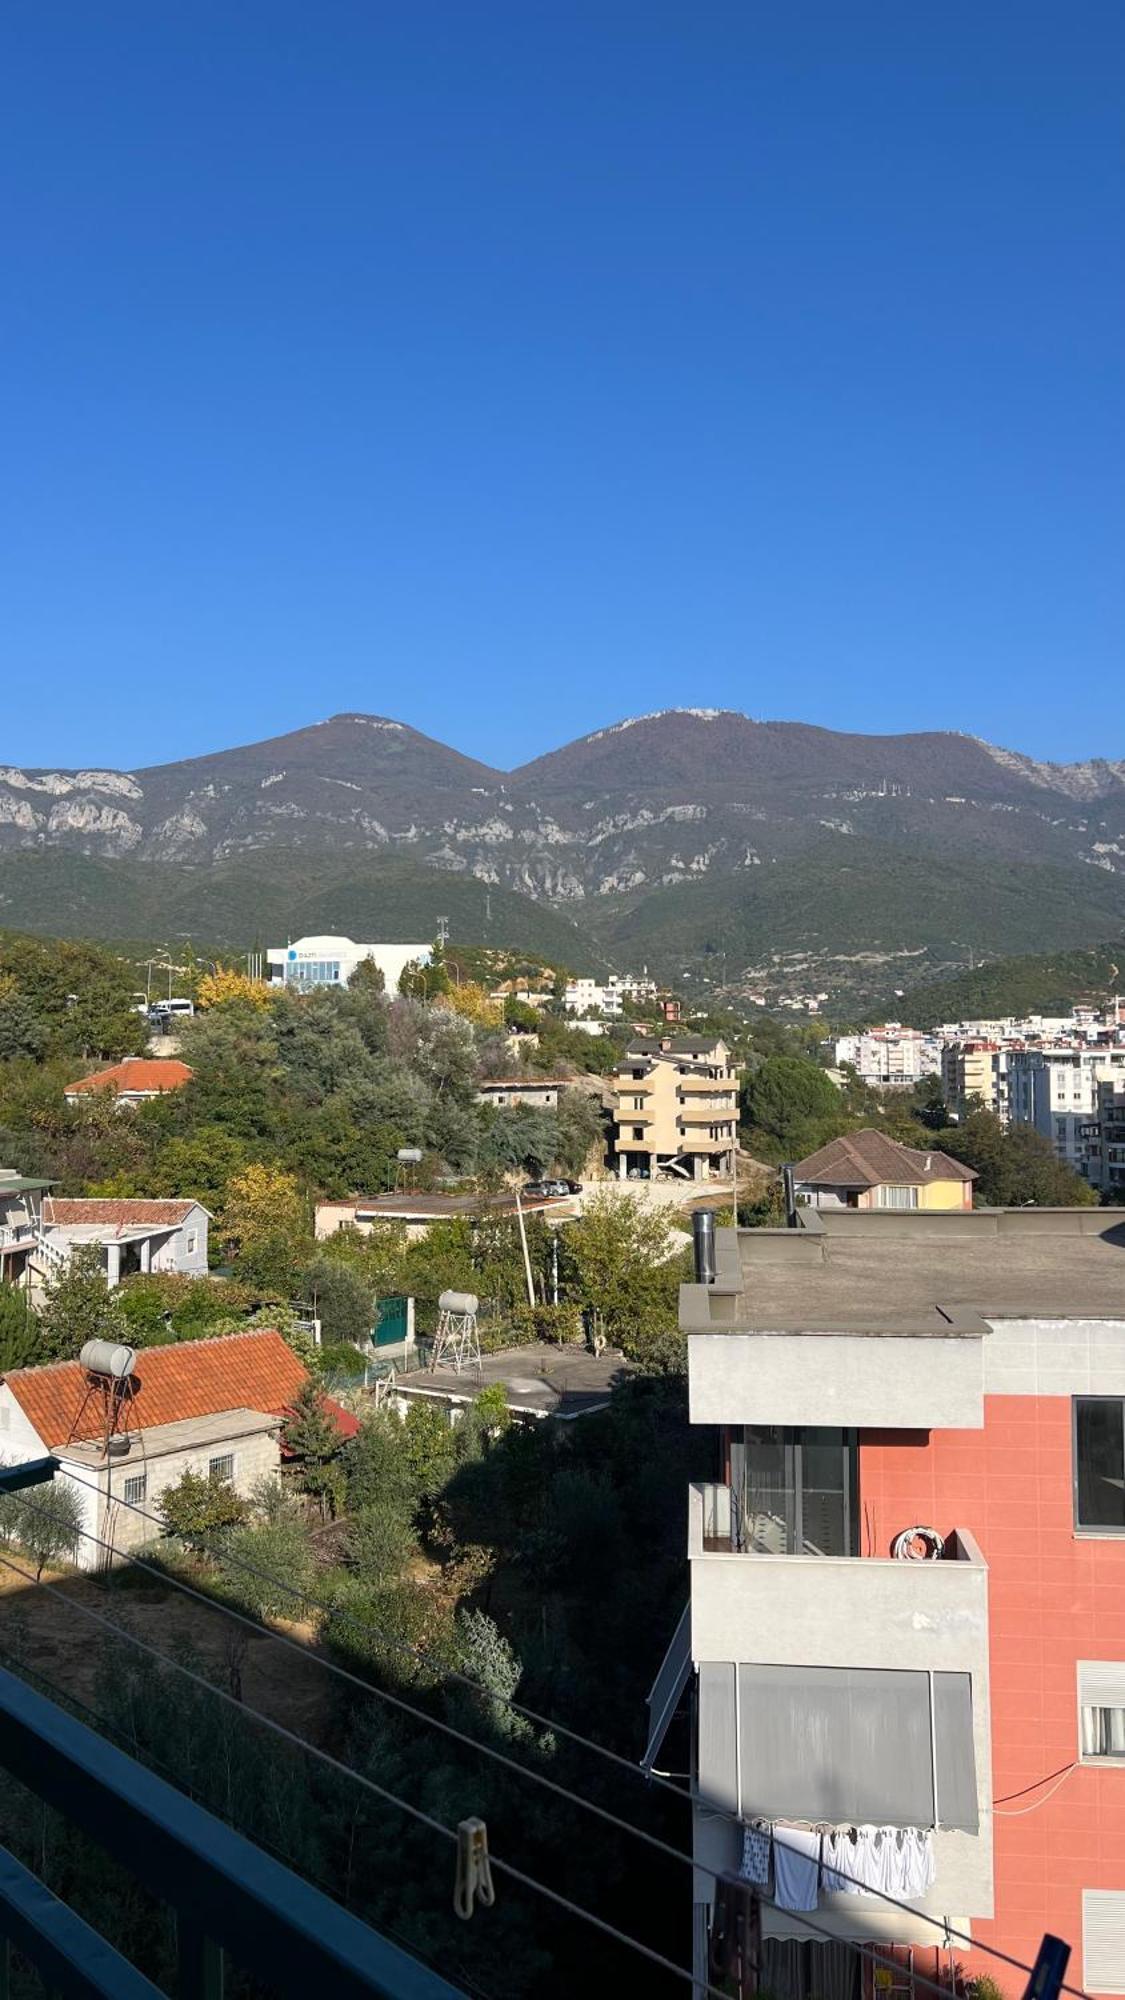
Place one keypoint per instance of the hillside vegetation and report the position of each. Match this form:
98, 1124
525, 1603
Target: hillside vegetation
274, 894
1043, 983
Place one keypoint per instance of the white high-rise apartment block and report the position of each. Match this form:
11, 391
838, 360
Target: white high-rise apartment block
1056, 1091
891, 1055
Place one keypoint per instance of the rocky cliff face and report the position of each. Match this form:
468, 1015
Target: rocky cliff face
654, 802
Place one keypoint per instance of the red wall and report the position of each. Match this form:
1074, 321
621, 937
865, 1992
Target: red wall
1054, 1599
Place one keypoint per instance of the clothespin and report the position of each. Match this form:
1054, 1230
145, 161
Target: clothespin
474, 1870
1049, 1969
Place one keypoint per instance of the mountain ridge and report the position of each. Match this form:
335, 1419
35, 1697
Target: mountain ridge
604, 828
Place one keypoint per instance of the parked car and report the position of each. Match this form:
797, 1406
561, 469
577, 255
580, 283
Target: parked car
537, 1190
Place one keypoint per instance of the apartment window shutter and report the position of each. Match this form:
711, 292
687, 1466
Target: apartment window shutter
1101, 1683
1101, 1708
1103, 1940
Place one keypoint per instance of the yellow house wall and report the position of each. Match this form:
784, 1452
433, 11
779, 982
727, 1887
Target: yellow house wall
946, 1194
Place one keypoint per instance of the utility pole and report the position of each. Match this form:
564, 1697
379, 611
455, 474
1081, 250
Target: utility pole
526, 1252
443, 931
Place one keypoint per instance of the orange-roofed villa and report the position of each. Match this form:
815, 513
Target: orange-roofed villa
133, 1080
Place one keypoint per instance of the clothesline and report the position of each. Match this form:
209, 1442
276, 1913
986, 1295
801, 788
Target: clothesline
838, 1860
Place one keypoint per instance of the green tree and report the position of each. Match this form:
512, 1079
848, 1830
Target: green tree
378, 1467
46, 1521
620, 1261
790, 1106
311, 1434
431, 1455
197, 1508
19, 1331
79, 1306
343, 1301
1016, 1166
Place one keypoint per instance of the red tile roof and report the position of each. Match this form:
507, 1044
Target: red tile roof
196, 1378
118, 1214
146, 1073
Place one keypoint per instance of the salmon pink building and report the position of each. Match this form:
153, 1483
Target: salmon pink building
905, 1644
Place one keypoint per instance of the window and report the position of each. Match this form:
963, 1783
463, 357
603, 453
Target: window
638, 1131
136, 1490
1099, 1463
1103, 1940
1101, 1711
638, 1104
221, 1468
896, 1197
192, 1240
796, 1490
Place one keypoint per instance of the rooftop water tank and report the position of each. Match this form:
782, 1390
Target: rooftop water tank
108, 1357
458, 1302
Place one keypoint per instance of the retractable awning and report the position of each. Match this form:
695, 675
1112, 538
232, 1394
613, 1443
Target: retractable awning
842, 1744
668, 1686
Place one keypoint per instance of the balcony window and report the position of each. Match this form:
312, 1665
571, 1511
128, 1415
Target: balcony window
1099, 1463
796, 1491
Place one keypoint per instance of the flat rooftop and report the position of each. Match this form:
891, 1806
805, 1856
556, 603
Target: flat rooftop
538, 1380
870, 1271
159, 1440
440, 1207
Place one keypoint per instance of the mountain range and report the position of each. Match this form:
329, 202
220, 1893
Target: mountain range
696, 840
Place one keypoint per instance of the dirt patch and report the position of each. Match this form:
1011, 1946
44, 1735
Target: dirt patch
47, 1630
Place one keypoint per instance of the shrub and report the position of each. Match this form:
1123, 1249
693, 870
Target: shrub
197, 1509
558, 1324
380, 1544
46, 1521
262, 1566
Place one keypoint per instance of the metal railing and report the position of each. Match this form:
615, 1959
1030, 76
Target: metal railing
228, 1895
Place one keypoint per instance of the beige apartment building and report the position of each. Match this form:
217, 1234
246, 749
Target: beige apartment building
975, 1069
675, 1110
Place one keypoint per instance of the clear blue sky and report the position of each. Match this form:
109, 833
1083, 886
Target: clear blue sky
510, 366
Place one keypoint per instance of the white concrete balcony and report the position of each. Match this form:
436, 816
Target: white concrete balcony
859, 1614
815, 1610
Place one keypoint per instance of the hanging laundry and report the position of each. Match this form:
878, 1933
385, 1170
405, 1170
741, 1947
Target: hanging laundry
755, 1866
916, 1863
839, 1869
796, 1867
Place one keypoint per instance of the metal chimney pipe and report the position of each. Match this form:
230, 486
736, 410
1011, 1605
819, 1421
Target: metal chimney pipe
789, 1186
703, 1241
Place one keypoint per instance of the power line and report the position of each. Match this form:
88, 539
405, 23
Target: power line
500, 1865
360, 1778
418, 1653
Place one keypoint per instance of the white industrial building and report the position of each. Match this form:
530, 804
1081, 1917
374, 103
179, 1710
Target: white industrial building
331, 961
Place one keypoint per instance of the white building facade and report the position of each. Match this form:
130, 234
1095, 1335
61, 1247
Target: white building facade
331, 961
1056, 1091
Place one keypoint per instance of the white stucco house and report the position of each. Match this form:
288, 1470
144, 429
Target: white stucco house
132, 1235
215, 1407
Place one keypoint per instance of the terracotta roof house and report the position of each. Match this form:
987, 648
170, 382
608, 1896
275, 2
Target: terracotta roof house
214, 1407
868, 1170
133, 1079
132, 1235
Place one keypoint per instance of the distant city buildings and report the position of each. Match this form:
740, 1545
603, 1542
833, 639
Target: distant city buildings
612, 996
892, 1057
1055, 1072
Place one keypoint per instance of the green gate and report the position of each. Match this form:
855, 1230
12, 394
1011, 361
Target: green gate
390, 1321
